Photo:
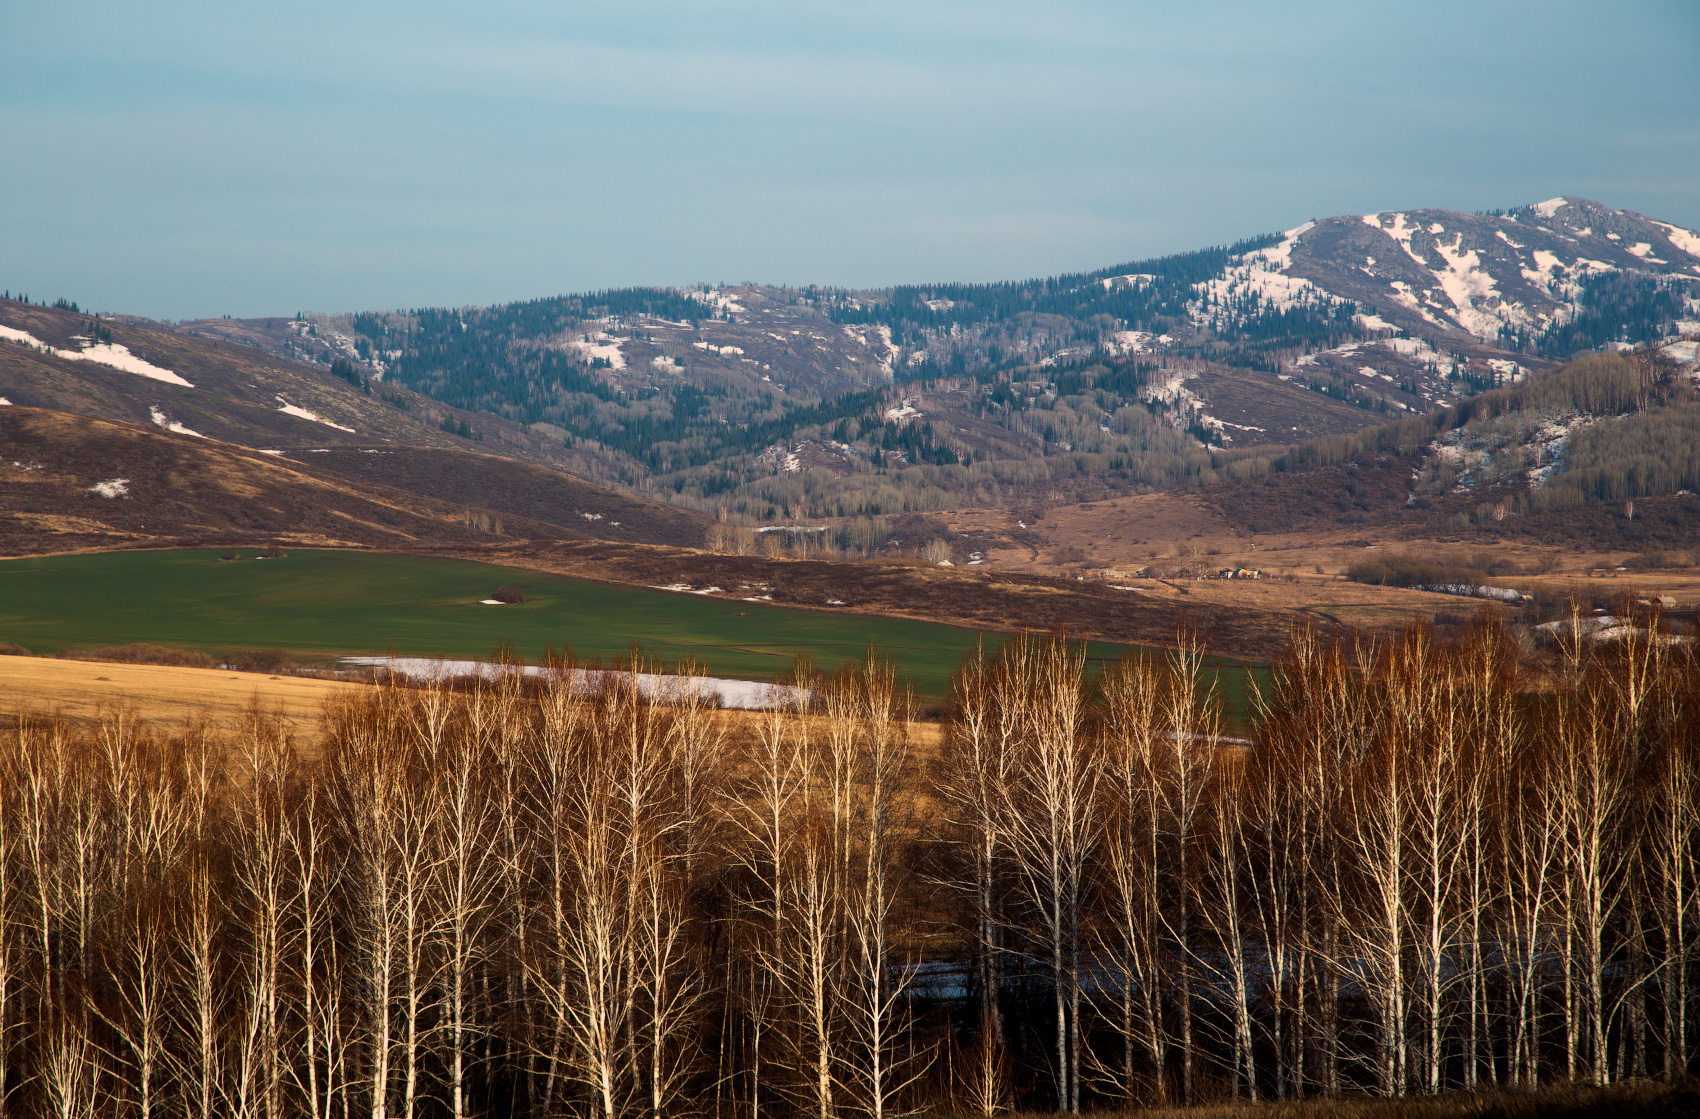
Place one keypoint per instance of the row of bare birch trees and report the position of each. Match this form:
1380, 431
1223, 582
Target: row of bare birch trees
511, 898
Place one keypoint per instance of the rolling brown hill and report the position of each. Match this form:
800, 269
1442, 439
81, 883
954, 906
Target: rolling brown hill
70, 482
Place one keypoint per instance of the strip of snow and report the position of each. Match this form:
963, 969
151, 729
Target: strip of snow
119, 357
161, 420
289, 409
491, 602
107, 354
748, 695
1685, 239
1402, 233
265, 451
116, 487
1471, 289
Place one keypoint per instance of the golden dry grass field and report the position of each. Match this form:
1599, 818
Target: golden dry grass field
171, 698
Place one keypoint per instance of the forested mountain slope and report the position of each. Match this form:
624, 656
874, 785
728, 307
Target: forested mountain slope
763, 403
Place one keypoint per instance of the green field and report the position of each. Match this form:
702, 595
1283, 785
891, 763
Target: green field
326, 603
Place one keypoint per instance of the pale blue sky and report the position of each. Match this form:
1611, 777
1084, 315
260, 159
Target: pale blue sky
182, 158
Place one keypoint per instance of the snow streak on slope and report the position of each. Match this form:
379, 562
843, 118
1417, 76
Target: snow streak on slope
160, 419
289, 409
106, 353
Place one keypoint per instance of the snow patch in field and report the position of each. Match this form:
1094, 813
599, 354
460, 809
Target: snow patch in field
491, 602
723, 351
1642, 249
289, 409
264, 451
748, 695
116, 487
902, 412
1685, 239
4, 403
1374, 322
160, 419
1548, 208
1683, 353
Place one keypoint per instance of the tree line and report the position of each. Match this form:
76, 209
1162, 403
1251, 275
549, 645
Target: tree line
517, 898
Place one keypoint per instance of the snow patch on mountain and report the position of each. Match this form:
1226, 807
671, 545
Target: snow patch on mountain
106, 353
1685, 239
289, 409
160, 419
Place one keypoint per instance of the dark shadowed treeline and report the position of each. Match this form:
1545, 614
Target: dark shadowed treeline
516, 900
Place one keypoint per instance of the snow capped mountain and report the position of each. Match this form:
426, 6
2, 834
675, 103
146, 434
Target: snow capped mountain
1487, 276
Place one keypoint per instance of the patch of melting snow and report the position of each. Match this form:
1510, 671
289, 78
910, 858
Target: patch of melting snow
749, 695
265, 451
1683, 353
835, 602
107, 353
160, 419
299, 413
491, 602
1548, 208
1263, 275
1479, 308
116, 487
1685, 239
4, 403
602, 346
1403, 293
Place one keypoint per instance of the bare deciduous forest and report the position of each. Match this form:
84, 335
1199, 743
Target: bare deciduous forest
1421, 874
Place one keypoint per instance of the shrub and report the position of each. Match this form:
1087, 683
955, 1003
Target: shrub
7, 649
140, 653
510, 594
259, 660
1411, 571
